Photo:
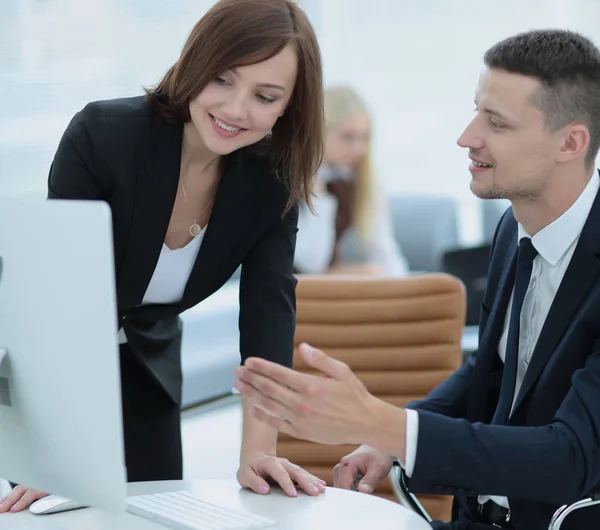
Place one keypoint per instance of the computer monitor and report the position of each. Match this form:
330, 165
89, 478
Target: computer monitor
60, 408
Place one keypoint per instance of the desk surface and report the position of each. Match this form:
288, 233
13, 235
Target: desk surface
335, 509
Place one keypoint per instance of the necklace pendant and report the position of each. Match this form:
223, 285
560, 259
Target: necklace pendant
195, 229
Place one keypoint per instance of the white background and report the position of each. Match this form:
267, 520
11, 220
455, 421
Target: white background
416, 62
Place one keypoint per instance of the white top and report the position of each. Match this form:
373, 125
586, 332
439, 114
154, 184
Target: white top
171, 275
172, 272
555, 245
336, 509
315, 242
316, 235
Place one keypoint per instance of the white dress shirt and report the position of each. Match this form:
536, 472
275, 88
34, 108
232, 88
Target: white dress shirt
555, 245
171, 275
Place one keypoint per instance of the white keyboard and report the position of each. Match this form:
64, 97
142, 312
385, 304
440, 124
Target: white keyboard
182, 511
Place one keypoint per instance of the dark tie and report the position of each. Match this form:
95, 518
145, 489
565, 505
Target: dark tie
526, 255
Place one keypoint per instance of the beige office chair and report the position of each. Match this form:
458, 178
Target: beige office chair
401, 336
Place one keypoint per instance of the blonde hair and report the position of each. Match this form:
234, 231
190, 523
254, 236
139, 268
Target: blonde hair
342, 102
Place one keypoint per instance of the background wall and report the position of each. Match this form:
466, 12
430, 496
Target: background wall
416, 61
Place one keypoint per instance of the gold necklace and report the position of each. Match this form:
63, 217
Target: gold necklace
195, 228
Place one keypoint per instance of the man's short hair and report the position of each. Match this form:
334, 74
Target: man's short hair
568, 67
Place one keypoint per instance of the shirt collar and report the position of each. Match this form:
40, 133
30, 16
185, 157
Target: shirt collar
554, 240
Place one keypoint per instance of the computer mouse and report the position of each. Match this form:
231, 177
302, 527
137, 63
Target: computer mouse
53, 504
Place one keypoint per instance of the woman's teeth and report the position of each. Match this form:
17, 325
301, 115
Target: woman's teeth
226, 127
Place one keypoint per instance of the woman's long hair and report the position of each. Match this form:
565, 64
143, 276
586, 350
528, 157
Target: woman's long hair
236, 33
341, 102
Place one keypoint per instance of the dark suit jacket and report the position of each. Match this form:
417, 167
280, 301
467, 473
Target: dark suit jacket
549, 453
121, 152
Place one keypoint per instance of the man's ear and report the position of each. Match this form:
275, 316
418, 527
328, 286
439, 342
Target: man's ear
575, 142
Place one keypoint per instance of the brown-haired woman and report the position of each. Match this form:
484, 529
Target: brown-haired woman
203, 174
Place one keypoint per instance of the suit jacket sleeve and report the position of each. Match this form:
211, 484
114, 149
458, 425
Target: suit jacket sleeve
268, 294
557, 463
77, 169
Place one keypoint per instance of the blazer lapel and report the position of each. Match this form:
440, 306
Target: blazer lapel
154, 199
488, 345
582, 271
233, 214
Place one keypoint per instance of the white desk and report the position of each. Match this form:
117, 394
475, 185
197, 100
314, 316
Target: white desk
334, 510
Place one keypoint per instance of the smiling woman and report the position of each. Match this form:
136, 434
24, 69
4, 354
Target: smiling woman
242, 80
203, 173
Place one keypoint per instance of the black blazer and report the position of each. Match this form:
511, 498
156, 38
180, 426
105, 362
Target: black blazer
549, 454
122, 152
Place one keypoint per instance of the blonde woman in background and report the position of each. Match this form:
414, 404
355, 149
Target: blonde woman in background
351, 214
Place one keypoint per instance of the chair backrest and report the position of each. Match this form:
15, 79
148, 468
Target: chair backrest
401, 336
425, 226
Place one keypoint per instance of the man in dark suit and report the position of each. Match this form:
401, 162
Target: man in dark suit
515, 432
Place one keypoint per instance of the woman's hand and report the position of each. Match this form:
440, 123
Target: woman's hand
19, 499
258, 468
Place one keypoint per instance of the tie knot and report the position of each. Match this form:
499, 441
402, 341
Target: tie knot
527, 251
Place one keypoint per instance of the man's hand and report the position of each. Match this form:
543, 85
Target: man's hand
332, 410
19, 499
372, 464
